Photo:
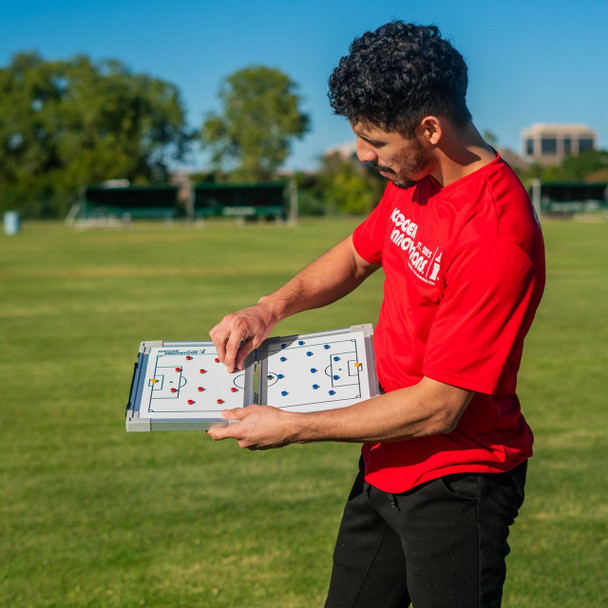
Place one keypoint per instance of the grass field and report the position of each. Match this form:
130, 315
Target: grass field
93, 516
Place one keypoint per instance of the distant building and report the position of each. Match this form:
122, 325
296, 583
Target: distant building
550, 144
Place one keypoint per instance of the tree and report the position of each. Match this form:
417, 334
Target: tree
66, 123
579, 167
348, 186
260, 116
589, 166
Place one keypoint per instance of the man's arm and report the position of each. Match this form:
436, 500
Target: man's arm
427, 408
327, 279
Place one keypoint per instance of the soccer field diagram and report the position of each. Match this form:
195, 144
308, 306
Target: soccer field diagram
314, 373
184, 385
187, 382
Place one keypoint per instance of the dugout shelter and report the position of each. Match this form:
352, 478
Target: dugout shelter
127, 202
265, 200
567, 198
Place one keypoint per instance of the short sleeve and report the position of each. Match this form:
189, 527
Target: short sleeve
488, 303
368, 237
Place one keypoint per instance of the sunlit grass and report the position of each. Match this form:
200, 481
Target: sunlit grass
93, 516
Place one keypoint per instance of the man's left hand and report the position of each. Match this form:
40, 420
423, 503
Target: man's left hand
257, 427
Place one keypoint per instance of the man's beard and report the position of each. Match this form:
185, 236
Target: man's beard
404, 184
415, 166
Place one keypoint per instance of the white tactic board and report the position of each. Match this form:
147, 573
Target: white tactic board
183, 385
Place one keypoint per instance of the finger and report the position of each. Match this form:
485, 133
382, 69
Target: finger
236, 339
219, 341
237, 413
226, 431
224, 341
217, 432
243, 352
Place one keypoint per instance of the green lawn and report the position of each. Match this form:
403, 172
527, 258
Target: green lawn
93, 516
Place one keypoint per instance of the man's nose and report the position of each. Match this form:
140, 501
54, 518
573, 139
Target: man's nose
365, 152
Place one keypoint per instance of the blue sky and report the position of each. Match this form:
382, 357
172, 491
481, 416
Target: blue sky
528, 61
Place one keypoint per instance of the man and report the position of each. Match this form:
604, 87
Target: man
445, 447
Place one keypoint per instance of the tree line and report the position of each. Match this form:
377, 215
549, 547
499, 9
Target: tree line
68, 123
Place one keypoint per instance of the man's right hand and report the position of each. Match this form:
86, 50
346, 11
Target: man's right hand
240, 333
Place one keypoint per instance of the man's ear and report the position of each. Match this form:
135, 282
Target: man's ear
430, 130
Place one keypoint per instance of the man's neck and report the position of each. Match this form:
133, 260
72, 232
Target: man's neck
460, 153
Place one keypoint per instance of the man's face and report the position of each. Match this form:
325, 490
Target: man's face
404, 161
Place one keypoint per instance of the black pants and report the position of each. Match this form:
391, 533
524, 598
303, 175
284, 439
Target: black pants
440, 545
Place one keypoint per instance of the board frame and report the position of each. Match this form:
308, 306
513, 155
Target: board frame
255, 384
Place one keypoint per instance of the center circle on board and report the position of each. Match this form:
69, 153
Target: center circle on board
272, 378
239, 381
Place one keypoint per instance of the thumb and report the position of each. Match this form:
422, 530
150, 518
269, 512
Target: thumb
237, 413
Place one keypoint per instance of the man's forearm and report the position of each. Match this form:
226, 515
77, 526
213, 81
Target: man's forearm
326, 280
428, 408
332, 276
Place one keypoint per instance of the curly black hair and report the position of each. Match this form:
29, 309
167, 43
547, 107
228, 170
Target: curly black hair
396, 75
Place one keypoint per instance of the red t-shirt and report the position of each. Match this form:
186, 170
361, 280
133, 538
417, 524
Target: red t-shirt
465, 271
